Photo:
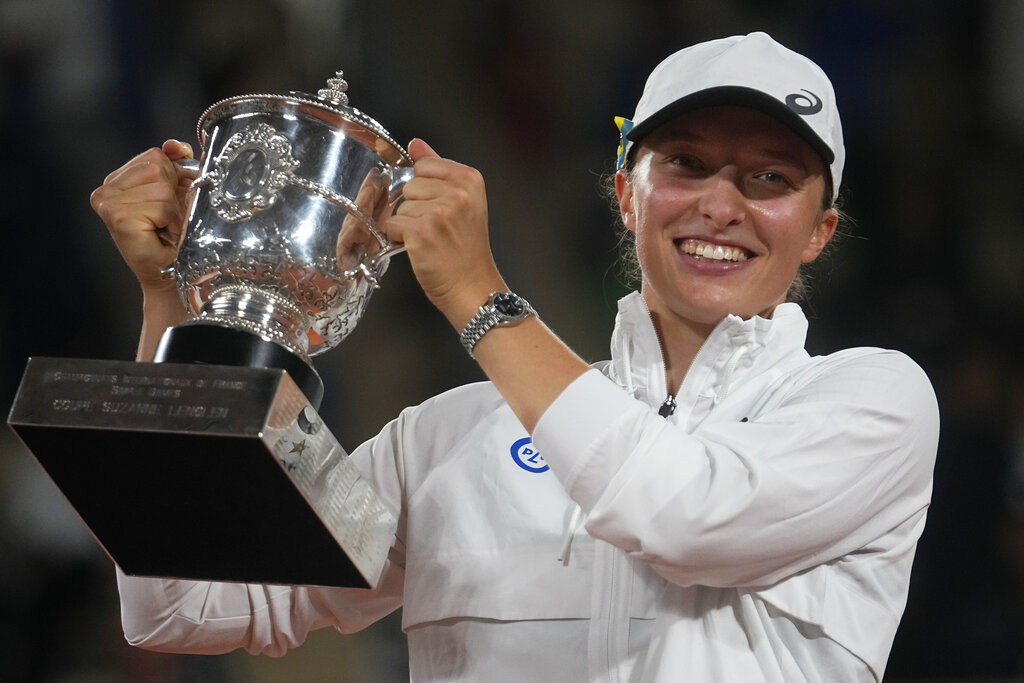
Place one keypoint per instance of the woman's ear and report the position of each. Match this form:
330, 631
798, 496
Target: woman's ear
823, 232
624, 195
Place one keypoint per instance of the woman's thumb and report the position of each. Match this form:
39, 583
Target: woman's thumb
419, 149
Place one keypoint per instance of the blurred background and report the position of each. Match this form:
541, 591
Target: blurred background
933, 108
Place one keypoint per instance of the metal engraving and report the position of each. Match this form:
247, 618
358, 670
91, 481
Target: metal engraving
248, 173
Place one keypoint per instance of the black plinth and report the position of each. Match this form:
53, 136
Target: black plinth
219, 345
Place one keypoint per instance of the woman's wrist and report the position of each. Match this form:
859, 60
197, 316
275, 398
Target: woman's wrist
461, 307
161, 308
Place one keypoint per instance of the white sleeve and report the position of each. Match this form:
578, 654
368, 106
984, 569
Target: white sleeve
842, 459
202, 617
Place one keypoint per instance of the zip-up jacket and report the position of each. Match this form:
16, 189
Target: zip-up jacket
763, 531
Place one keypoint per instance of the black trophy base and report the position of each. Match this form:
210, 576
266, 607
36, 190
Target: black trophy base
219, 345
203, 472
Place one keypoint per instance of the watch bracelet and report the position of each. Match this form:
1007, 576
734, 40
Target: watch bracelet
483, 320
488, 317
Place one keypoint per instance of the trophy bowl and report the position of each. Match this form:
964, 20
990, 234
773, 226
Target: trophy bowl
283, 246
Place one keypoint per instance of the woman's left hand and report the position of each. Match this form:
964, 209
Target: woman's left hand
443, 224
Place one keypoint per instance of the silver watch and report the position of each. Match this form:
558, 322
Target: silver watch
501, 309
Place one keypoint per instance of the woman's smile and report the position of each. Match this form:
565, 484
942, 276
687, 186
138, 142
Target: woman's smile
706, 250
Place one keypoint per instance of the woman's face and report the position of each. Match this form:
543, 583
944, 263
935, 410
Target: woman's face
726, 203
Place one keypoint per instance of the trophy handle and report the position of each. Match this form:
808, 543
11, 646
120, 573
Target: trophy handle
188, 168
372, 268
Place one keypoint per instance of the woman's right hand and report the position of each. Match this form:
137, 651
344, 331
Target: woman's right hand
143, 206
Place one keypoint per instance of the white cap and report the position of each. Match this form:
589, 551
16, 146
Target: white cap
752, 71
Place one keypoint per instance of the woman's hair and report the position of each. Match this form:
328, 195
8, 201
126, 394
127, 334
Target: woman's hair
629, 265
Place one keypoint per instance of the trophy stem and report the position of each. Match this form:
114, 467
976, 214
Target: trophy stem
261, 312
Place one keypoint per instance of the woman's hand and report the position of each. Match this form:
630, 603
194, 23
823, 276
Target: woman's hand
443, 224
143, 206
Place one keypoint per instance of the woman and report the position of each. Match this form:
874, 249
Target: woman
713, 504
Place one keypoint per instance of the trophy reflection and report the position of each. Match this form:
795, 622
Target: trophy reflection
212, 462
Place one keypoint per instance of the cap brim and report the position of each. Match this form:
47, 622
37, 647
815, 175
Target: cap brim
738, 96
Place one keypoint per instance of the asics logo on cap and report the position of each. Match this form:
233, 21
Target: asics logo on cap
804, 105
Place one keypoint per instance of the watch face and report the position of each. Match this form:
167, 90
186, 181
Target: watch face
509, 305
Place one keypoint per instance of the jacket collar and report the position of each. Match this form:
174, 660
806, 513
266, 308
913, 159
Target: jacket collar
735, 349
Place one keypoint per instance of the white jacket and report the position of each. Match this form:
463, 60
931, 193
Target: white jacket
764, 532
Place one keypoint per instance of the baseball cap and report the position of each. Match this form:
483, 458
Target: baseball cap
753, 71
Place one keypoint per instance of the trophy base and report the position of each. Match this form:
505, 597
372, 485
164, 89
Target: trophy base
220, 345
203, 472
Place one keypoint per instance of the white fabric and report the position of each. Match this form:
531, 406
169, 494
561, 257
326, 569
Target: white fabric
765, 532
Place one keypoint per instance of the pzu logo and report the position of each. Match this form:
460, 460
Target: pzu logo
528, 457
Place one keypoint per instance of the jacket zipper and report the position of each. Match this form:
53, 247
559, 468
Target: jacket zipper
669, 405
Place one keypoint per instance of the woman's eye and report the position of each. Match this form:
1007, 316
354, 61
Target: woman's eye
774, 177
686, 161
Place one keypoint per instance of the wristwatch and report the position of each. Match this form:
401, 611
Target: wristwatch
502, 309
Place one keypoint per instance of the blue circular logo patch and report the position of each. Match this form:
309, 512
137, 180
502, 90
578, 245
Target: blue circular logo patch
528, 457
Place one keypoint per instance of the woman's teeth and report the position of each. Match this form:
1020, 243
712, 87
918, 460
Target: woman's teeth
713, 252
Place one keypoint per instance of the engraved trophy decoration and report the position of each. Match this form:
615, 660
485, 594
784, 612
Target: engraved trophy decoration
212, 462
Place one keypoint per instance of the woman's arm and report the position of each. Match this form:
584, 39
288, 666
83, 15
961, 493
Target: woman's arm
202, 617
841, 461
443, 224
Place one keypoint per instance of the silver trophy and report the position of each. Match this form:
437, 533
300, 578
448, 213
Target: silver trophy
284, 245
212, 462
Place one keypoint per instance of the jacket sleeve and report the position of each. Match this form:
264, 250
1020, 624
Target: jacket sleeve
201, 617
837, 460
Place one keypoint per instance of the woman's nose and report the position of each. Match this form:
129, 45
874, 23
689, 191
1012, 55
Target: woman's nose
722, 202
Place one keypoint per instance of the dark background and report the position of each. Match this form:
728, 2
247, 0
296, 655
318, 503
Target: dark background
525, 91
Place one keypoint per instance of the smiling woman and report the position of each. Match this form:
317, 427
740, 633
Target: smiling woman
711, 504
716, 179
